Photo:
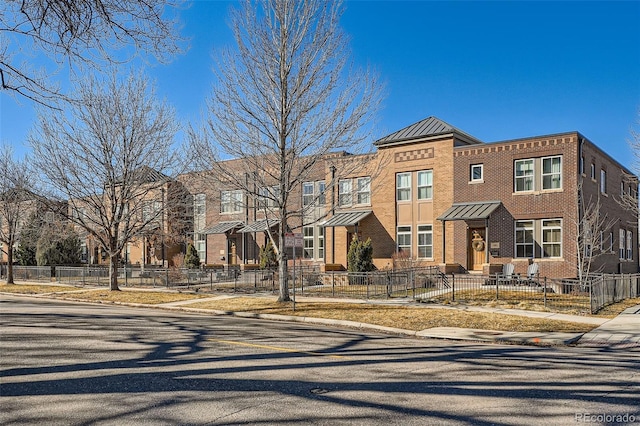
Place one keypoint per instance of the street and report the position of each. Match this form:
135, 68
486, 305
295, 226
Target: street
66, 363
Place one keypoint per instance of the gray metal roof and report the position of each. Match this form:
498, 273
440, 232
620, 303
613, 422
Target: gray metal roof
431, 126
470, 211
347, 218
259, 226
222, 227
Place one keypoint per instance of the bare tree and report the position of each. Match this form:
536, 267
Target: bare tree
593, 230
629, 198
78, 33
111, 158
284, 99
16, 201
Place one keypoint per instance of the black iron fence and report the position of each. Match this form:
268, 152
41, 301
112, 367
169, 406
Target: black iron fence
425, 284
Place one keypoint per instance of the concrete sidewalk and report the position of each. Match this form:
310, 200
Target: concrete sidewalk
622, 331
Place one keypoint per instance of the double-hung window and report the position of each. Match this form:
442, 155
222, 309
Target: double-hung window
231, 201
363, 195
629, 245
552, 172
621, 244
345, 196
524, 239
307, 193
603, 181
425, 241
425, 185
552, 238
538, 174
524, 175
404, 240
313, 193
403, 187
308, 240
199, 212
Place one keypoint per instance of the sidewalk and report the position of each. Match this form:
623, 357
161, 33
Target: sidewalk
622, 331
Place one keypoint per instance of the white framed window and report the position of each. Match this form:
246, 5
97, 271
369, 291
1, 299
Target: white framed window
231, 201
403, 187
345, 197
552, 238
542, 174
552, 172
593, 171
603, 181
313, 192
582, 164
201, 246
308, 194
268, 197
525, 239
199, 212
404, 239
320, 242
320, 190
363, 194
524, 175
629, 245
425, 241
425, 185
308, 242
477, 173
621, 243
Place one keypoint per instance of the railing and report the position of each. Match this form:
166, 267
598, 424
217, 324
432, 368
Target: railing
609, 288
427, 283
30, 273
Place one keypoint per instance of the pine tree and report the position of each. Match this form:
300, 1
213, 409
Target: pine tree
191, 259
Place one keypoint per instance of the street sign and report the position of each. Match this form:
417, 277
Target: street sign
292, 239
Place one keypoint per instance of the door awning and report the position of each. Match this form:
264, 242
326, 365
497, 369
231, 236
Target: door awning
347, 218
259, 226
222, 227
470, 211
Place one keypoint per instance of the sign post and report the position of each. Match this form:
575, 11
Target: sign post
293, 240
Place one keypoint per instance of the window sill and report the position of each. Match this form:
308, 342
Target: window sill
538, 192
473, 182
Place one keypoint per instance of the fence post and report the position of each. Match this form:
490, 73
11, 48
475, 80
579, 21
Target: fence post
544, 291
453, 287
333, 283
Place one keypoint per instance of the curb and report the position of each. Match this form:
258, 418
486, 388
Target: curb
444, 333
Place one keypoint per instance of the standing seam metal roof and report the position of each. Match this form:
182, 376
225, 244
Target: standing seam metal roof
470, 211
431, 126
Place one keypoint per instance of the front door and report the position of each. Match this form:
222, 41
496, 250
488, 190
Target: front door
477, 249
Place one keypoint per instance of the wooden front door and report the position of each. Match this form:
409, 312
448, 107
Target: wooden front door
477, 249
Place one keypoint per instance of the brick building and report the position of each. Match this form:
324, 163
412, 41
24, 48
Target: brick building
436, 195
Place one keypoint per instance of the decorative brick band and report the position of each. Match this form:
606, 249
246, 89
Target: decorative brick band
417, 154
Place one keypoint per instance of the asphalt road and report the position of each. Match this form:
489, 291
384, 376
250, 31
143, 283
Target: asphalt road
80, 364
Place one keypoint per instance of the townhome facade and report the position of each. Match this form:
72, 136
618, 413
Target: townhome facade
431, 194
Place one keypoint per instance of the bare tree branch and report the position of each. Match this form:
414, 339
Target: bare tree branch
112, 158
285, 98
79, 33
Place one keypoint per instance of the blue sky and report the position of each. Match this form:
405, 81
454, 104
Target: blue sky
497, 70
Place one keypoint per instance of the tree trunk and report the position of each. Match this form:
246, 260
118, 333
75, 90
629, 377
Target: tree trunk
283, 272
10, 265
113, 273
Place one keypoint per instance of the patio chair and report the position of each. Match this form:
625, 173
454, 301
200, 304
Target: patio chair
507, 274
530, 279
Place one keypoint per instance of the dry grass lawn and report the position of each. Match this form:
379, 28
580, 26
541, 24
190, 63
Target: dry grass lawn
34, 289
406, 317
410, 318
